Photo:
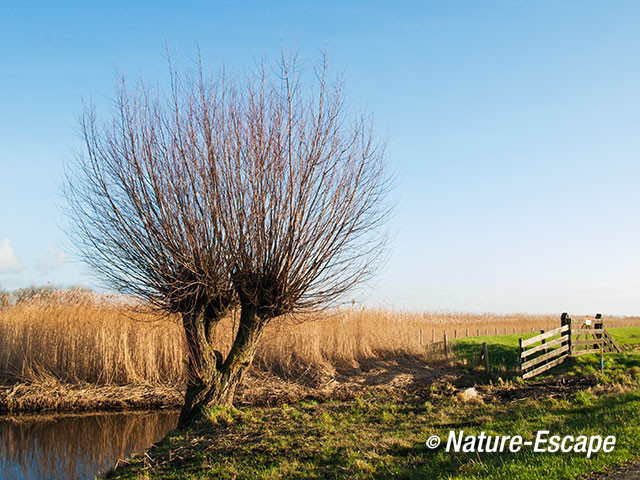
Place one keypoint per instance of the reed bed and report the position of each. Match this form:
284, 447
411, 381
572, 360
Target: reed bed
72, 336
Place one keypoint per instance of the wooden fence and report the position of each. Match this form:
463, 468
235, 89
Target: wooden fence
548, 349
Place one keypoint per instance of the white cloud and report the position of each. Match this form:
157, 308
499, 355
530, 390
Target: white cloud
9, 263
54, 259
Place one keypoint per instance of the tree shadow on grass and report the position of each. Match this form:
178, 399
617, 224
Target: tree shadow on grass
502, 357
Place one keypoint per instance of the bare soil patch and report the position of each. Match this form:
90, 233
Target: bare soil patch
395, 377
560, 386
628, 471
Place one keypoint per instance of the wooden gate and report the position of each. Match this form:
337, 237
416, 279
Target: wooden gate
548, 349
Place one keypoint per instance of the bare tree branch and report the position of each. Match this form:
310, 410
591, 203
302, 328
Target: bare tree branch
258, 190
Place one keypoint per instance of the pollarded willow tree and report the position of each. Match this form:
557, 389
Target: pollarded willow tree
259, 192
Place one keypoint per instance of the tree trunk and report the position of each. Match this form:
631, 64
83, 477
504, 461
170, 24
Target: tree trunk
209, 383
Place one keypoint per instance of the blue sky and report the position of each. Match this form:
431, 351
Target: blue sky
514, 126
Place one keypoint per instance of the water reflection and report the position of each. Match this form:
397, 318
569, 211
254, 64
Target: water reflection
75, 446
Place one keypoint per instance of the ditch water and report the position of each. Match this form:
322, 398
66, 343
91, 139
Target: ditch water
76, 446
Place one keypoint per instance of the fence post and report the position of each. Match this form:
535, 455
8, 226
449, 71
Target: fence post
446, 350
597, 324
420, 337
566, 320
485, 350
520, 356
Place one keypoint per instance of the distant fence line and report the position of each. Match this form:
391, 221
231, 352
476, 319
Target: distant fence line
442, 338
439, 339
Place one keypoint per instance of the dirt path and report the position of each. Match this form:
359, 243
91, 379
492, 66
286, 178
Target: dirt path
628, 471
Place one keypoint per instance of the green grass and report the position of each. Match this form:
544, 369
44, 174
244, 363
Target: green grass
376, 439
625, 335
503, 350
619, 368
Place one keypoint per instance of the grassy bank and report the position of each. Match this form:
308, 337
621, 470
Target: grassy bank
374, 437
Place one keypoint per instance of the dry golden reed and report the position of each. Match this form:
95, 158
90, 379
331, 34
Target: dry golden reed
87, 337
80, 337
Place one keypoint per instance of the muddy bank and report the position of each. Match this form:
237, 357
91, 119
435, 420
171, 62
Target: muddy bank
54, 396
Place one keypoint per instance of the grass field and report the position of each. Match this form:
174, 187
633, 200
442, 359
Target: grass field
375, 438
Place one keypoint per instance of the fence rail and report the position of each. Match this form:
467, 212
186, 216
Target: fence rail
549, 353
544, 335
